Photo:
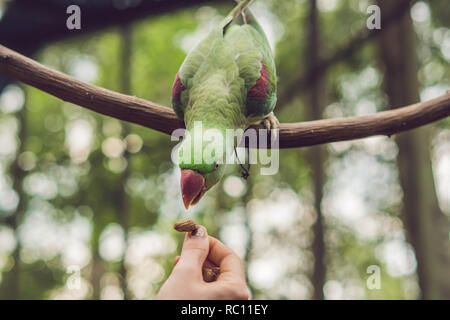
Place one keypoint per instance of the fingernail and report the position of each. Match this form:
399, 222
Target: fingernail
200, 232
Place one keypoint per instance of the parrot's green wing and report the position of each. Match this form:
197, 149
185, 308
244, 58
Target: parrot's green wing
190, 66
256, 64
252, 55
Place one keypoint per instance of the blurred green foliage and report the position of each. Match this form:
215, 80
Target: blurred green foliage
74, 167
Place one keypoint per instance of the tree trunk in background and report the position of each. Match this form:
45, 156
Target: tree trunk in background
11, 281
427, 226
124, 207
97, 266
316, 155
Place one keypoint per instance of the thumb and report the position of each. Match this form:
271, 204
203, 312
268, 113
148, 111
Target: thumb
195, 248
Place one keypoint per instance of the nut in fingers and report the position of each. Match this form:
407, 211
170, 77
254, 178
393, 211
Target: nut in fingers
211, 274
185, 225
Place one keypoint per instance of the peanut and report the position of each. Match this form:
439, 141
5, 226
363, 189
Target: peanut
185, 225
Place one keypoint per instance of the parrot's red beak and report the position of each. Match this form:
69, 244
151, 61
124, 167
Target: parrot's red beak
192, 184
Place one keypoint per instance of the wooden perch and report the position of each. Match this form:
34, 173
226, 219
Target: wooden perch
163, 119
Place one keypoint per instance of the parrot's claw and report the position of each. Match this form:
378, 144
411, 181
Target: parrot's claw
244, 17
272, 124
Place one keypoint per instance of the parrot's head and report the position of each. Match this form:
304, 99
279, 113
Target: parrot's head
202, 167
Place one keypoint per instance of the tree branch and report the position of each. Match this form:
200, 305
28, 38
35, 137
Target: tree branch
163, 119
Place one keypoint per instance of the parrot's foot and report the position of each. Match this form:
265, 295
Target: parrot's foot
272, 124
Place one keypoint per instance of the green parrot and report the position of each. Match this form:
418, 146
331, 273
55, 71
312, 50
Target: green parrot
227, 82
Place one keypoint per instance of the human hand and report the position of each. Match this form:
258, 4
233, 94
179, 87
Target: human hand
186, 281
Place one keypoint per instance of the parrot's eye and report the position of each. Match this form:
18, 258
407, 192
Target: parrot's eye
216, 166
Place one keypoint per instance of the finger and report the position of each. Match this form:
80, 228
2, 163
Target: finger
195, 249
230, 264
175, 261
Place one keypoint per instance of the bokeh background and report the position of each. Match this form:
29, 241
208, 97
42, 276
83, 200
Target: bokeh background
87, 202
